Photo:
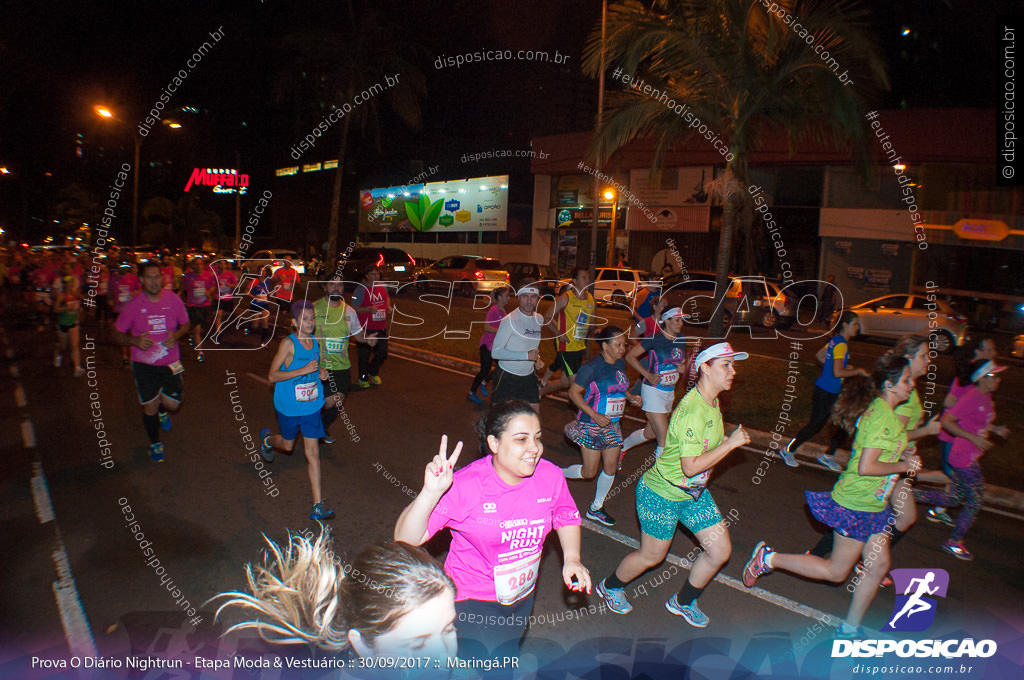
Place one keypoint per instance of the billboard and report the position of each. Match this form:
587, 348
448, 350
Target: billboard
475, 204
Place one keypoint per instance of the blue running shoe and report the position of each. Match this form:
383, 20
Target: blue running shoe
156, 452
473, 398
266, 450
483, 389
615, 598
690, 612
320, 511
165, 421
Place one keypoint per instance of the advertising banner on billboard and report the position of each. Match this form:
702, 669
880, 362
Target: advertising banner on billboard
475, 204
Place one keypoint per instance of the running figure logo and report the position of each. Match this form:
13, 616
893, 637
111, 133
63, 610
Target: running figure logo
914, 610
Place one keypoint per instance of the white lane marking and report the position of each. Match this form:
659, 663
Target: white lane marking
19, 396
72, 613
259, 379
41, 495
735, 584
28, 434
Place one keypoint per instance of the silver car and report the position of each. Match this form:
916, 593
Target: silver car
894, 316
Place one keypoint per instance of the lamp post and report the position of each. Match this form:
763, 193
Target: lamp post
104, 112
610, 195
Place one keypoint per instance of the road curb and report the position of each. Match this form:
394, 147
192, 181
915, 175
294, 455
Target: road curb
995, 496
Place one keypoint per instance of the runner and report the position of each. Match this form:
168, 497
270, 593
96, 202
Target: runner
516, 348
372, 303
600, 393
574, 313
647, 326
665, 351
66, 305
124, 285
260, 304
963, 357
336, 322
970, 421
168, 277
675, 490
834, 358
500, 509
102, 291
152, 323
200, 286
296, 374
858, 507
499, 300
284, 281
226, 281
393, 601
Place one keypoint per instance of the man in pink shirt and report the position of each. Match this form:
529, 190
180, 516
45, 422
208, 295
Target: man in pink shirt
152, 323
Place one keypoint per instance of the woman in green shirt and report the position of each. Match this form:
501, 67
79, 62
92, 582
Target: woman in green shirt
857, 508
674, 490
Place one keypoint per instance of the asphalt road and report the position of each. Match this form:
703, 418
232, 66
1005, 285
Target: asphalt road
204, 511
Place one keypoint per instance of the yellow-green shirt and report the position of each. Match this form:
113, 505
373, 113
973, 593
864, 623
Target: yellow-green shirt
878, 428
911, 409
334, 325
695, 427
573, 323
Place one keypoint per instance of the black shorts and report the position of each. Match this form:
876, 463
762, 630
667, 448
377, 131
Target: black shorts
509, 386
64, 329
198, 316
338, 381
152, 381
570, 362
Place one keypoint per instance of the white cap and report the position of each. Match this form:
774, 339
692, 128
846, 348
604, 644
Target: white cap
528, 290
673, 313
986, 368
722, 349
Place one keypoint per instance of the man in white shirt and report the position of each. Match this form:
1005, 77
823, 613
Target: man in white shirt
516, 350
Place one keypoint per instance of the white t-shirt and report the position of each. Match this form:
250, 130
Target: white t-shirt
516, 336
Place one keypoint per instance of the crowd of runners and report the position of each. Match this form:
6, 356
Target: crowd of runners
501, 507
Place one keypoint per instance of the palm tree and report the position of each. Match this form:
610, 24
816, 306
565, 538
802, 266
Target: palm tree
337, 64
741, 70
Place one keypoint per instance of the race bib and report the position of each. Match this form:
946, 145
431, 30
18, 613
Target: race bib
177, 368
379, 314
669, 376
581, 326
616, 406
335, 345
514, 581
307, 391
200, 293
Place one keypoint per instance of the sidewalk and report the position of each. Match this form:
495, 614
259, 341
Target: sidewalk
995, 496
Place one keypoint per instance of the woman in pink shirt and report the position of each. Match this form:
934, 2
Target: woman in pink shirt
970, 421
495, 314
500, 509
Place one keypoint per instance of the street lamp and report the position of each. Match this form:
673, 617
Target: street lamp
104, 112
610, 195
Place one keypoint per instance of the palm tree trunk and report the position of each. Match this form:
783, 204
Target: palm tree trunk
332, 231
729, 214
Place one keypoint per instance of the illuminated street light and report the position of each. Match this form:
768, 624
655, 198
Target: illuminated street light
105, 112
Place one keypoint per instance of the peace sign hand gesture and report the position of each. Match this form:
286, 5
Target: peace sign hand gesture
437, 478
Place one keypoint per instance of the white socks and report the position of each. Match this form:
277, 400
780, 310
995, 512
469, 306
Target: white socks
573, 472
604, 485
635, 438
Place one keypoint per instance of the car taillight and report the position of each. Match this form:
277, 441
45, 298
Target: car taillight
506, 277
276, 263
479, 275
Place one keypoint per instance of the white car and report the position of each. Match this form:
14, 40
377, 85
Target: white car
274, 257
613, 284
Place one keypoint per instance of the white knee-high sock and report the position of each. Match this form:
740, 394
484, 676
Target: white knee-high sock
604, 485
573, 472
635, 438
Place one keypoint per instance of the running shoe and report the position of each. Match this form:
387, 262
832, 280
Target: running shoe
375, 379
829, 462
165, 421
365, 384
320, 511
690, 612
844, 632
957, 550
757, 565
936, 515
788, 457
266, 450
601, 516
156, 452
56, 360
200, 358
79, 372
483, 389
615, 598
329, 438
473, 398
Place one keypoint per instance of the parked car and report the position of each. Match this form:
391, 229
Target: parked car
469, 274
749, 299
275, 256
894, 316
394, 263
546, 276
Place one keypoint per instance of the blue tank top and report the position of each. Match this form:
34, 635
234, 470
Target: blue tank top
827, 380
302, 395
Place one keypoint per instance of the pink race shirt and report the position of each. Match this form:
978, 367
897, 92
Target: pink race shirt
974, 412
956, 391
125, 289
159, 319
226, 282
199, 288
494, 316
498, 530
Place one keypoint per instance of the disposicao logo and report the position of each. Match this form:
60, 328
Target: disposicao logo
914, 610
